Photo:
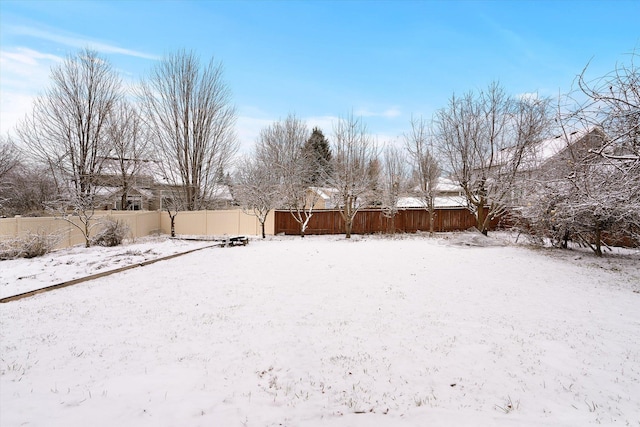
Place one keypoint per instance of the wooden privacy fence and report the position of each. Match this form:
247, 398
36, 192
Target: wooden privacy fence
371, 221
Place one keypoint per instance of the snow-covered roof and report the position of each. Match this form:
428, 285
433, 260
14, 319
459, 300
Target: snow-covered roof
439, 202
325, 193
144, 167
109, 191
553, 146
221, 192
446, 185
450, 201
549, 148
106, 191
411, 202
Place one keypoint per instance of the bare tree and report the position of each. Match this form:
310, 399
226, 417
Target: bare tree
393, 182
425, 164
26, 190
9, 162
592, 193
613, 183
256, 188
67, 131
172, 202
282, 145
188, 109
613, 104
9, 156
130, 149
484, 138
354, 151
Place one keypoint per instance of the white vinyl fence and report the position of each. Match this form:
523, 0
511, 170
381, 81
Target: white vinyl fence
143, 223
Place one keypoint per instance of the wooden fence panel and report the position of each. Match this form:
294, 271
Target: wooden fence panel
369, 221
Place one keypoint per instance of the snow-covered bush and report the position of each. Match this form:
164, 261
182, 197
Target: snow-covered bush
28, 246
112, 233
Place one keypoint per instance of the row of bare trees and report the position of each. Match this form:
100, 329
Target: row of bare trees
494, 146
180, 119
291, 167
480, 140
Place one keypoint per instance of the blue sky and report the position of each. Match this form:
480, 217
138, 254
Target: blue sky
321, 60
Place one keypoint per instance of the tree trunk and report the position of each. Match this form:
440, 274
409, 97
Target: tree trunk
123, 197
87, 240
432, 214
481, 217
347, 228
598, 242
565, 240
262, 226
173, 225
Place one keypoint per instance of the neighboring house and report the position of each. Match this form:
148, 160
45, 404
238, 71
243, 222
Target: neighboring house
558, 154
221, 198
147, 188
448, 195
325, 197
137, 198
555, 158
142, 185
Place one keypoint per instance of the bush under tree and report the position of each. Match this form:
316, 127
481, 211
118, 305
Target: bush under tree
113, 232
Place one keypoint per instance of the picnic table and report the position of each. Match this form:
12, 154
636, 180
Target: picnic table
235, 241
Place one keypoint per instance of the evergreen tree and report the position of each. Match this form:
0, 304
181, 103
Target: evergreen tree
320, 155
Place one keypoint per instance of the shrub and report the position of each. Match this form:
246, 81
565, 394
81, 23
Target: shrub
29, 246
112, 233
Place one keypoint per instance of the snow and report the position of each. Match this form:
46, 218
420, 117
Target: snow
23, 275
455, 330
438, 202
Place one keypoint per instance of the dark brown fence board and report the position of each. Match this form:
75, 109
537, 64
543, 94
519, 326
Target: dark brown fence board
369, 221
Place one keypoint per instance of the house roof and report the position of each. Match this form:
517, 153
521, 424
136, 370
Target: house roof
554, 146
221, 192
326, 193
439, 202
111, 191
145, 167
550, 148
444, 185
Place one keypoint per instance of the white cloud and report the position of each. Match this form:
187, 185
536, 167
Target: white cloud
25, 73
13, 107
23, 55
324, 123
248, 130
79, 42
251, 121
389, 113
528, 96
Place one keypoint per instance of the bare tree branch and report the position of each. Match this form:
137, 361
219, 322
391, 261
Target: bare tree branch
355, 152
189, 112
67, 130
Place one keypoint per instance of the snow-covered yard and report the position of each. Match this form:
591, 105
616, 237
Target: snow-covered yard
321, 331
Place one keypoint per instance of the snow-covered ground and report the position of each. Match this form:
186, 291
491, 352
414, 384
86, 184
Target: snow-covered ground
23, 275
322, 331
